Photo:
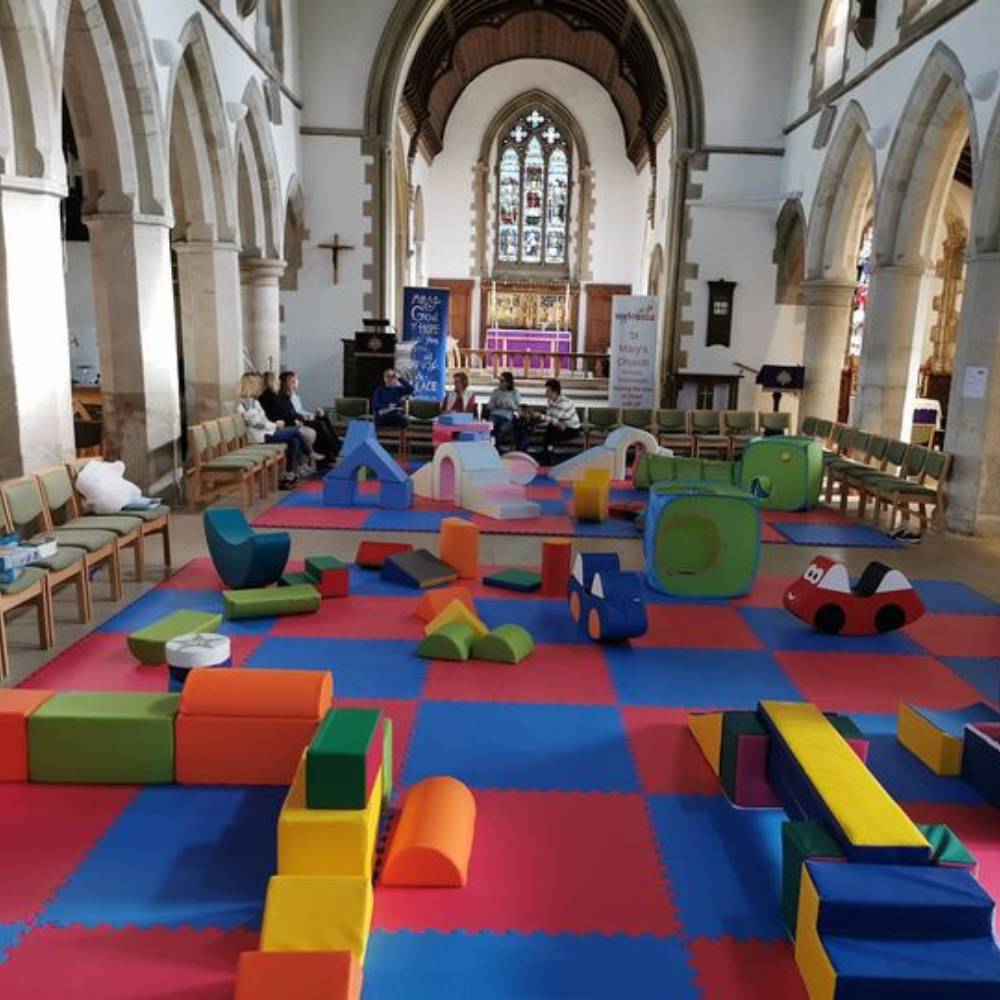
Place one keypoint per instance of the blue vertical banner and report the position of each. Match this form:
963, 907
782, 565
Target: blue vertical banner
425, 332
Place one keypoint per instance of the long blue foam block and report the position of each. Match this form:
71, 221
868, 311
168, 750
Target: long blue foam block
910, 902
981, 764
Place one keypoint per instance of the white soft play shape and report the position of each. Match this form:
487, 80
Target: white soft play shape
522, 468
611, 455
104, 488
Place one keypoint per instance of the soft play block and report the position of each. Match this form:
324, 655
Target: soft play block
453, 641
149, 645
419, 569
504, 644
295, 580
435, 601
336, 841
371, 555
936, 737
750, 787
302, 975
524, 581
460, 546
735, 725
328, 575
16, 707
344, 759
800, 841
946, 848
818, 776
557, 559
103, 738
248, 727
386, 777
706, 728
981, 761
317, 913
456, 611
265, 602
590, 500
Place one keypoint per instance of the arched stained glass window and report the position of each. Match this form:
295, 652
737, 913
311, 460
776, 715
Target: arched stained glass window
533, 192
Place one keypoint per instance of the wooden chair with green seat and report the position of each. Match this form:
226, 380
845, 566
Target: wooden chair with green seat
209, 475
234, 443
420, 430
155, 520
824, 428
836, 443
347, 408
853, 454
63, 511
706, 428
31, 587
640, 419
774, 423
213, 433
673, 431
866, 481
27, 514
925, 490
807, 428
739, 427
601, 421
853, 477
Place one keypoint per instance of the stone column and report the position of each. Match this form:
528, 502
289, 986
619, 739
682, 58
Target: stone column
137, 334
828, 321
890, 354
973, 438
36, 408
259, 278
208, 277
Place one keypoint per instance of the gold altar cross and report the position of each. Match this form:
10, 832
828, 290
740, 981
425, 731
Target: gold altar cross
335, 247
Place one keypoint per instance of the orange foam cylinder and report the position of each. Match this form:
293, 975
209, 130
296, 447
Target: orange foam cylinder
268, 694
435, 601
433, 840
460, 546
557, 556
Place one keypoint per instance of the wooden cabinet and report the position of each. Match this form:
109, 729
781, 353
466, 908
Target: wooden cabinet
597, 338
459, 307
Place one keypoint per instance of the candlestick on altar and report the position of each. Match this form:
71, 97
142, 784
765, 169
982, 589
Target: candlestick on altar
566, 309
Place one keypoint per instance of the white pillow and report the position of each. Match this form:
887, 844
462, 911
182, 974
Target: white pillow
104, 487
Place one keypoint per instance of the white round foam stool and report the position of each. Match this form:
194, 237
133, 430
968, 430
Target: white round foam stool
197, 649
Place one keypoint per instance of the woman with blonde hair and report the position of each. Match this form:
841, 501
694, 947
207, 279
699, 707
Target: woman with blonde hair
260, 430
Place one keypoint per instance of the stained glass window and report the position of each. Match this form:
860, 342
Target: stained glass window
533, 192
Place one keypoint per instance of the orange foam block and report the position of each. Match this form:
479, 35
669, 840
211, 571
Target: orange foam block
16, 705
435, 601
557, 558
433, 840
249, 727
460, 546
304, 975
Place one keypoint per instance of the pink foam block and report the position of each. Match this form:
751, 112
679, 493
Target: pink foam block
751, 787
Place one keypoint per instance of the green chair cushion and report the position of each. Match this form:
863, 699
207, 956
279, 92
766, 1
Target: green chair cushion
29, 576
66, 556
91, 540
263, 602
103, 738
120, 524
149, 645
147, 516
229, 465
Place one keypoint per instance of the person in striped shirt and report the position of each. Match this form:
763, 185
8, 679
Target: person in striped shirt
561, 421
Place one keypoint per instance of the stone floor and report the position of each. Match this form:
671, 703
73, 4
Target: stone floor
973, 561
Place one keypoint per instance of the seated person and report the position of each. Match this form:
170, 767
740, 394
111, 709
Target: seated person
561, 421
327, 442
461, 399
260, 430
509, 427
387, 400
276, 410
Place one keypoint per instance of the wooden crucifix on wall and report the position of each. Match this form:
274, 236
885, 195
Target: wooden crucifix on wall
335, 247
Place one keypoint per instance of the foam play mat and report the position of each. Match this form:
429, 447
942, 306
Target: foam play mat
606, 858
305, 509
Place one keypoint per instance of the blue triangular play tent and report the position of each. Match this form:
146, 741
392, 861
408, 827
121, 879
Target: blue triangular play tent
341, 487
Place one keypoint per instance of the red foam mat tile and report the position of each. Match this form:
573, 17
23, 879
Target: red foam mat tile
667, 757
402, 713
957, 635
746, 970
340, 518
99, 662
697, 626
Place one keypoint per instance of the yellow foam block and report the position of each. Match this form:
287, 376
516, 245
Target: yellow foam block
456, 611
597, 475
814, 964
326, 841
861, 807
940, 751
706, 728
590, 500
317, 913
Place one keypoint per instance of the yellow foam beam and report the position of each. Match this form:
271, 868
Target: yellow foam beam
326, 841
706, 728
861, 807
814, 964
456, 611
940, 751
317, 913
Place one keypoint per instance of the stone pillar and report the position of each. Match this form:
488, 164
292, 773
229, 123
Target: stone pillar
890, 354
208, 278
828, 322
36, 407
137, 334
261, 310
973, 438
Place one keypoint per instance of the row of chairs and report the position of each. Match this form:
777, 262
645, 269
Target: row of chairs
222, 460
47, 504
900, 476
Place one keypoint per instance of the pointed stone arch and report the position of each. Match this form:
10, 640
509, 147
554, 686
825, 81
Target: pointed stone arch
295, 234
258, 182
986, 214
790, 253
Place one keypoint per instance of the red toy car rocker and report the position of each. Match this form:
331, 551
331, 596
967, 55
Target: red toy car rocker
881, 600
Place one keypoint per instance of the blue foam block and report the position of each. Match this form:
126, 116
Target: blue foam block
777, 629
835, 535
177, 856
724, 865
543, 747
981, 766
954, 720
384, 668
514, 966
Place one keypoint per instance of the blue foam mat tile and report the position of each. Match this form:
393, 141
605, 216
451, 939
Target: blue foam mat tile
302, 498
874, 723
512, 966
611, 527
157, 604
369, 583
724, 865
954, 720
981, 672
10, 934
177, 856
949, 597
544, 480
836, 535
407, 520
361, 668
547, 619
697, 678
779, 630
907, 779
530, 747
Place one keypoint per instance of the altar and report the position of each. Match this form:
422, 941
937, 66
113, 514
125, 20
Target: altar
530, 326
511, 346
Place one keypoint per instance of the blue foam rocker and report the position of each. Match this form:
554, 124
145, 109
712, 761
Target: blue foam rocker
241, 557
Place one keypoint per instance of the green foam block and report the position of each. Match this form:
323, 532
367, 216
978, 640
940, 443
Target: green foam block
946, 848
149, 645
453, 641
265, 602
315, 565
800, 841
103, 738
344, 758
386, 761
522, 580
295, 580
735, 725
505, 644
